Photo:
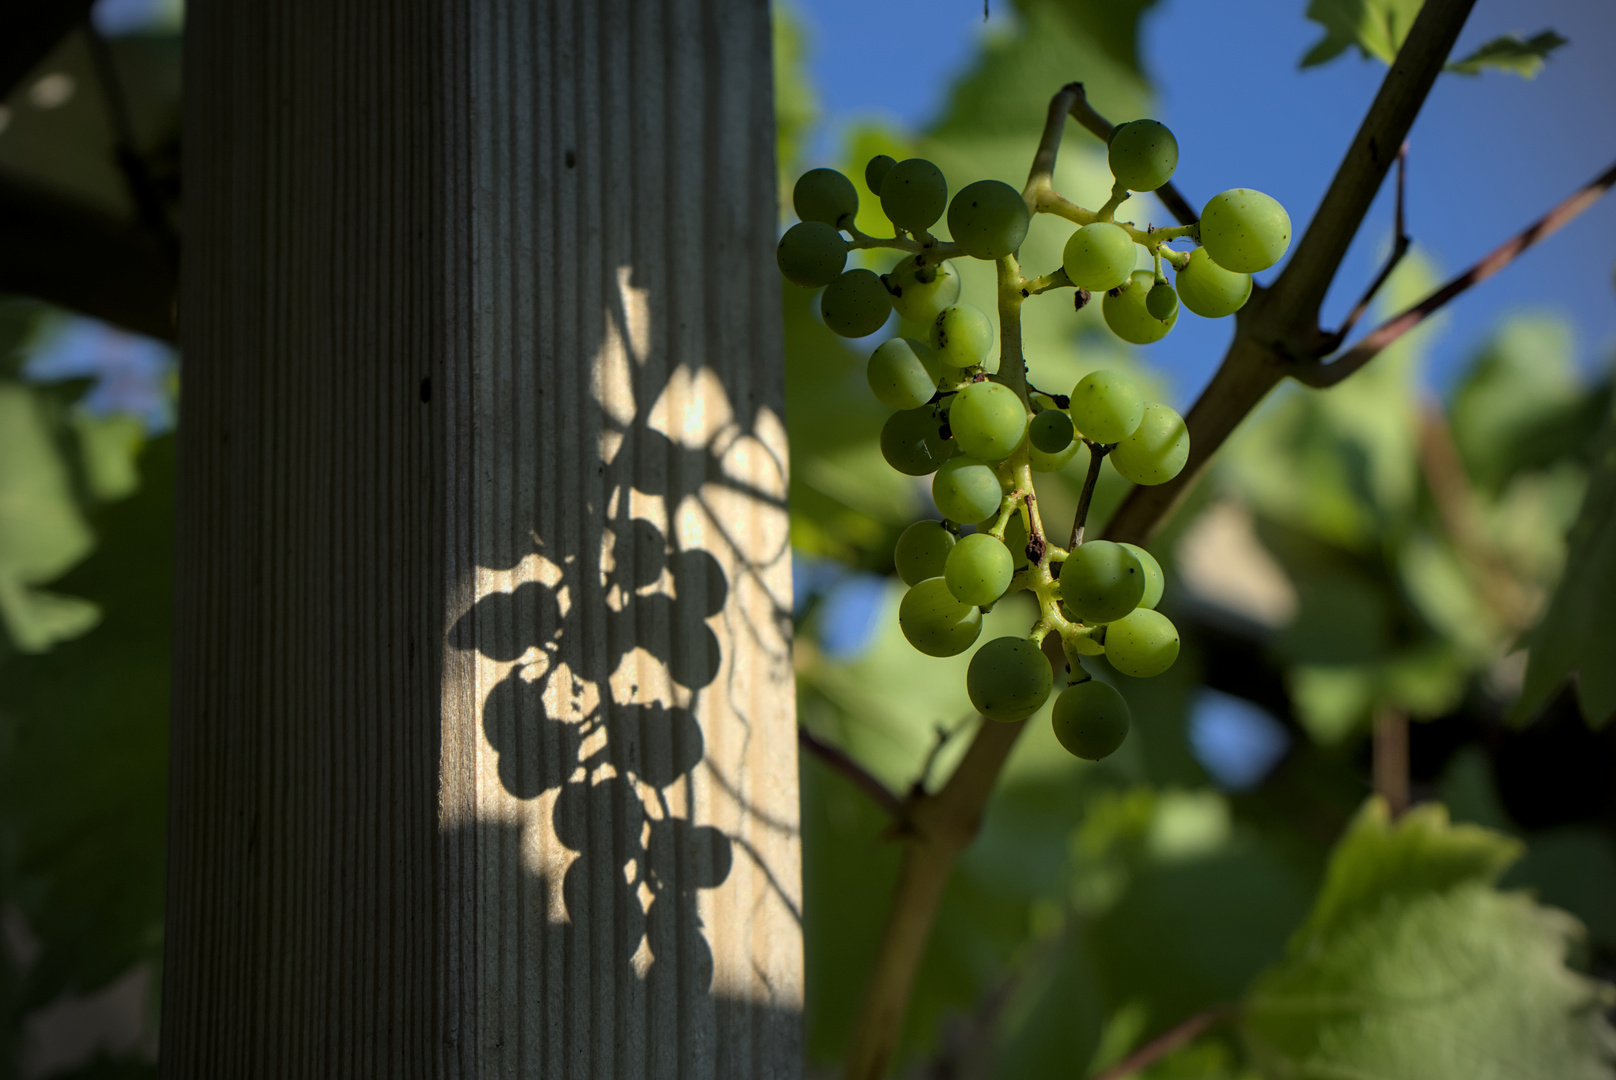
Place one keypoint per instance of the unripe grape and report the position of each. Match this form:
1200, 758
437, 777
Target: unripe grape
903, 373
1161, 301
1142, 644
1129, 319
1157, 449
1101, 582
1142, 154
987, 420
856, 304
1155, 580
1244, 230
1091, 719
1107, 406
962, 336
1209, 290
824, 195
988, 219
921, 552
913, 194
978, 569
966, 491
1051, 431
1099, 257
1015, 539
1008, 679
920, 290
936, 623
811, 254
875, 172
912, 442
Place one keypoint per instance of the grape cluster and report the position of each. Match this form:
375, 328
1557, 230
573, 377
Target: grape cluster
981, 433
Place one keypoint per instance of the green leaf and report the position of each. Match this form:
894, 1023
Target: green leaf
1414, 966
1512, 53
1577, 635
1376, 27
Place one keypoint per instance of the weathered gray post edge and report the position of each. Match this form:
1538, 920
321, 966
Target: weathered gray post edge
483, 756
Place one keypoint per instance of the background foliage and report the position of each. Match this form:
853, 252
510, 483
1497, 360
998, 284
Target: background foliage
1357, 552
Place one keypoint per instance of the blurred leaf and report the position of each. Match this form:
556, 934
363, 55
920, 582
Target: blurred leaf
1376, 27
795, 104
1577, 635
84, 731
1413, 965
1524, 377
42, 531
1511, 53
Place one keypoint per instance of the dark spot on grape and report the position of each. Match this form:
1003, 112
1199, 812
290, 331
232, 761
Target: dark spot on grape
1081, 301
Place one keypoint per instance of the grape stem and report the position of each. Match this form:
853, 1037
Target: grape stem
1097, 454
1399, 248
939, 250
848, 766
1168, 1041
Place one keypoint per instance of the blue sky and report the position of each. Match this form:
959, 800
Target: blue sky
1488, 155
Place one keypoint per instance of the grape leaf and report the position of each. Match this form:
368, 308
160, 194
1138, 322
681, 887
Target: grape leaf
1577, 635
1512, 53
1376, 27
1414, 966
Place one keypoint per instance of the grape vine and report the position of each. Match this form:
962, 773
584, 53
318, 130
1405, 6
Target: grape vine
982, 432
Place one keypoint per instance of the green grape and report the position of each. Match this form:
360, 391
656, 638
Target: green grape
824, 195
920, 290
1157, 449
979, 569
1101, 582
988, 219
1008, 679
921, 551
935, 622
1161, 301
856, 304
903, 373
913, 194
875, 172
1107, 406
1015, 539
1155, 580
1125, 312
1099, 257
1209, 290
987, 420
1143, 644
962, 336
1091, 719
1244, 230
912, 443
1047, 463
1143, 154
966, 491
1051, 431
811, 253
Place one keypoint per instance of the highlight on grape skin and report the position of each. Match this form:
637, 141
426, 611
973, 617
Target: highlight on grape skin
1157, 449
1141, 644
1244, 230
978, 569
988, 420
1107, 406
1101, 581
965, 490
